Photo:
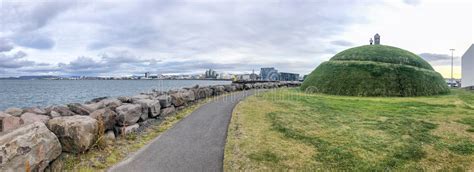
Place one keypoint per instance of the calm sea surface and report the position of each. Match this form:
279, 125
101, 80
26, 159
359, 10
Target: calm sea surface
28, 93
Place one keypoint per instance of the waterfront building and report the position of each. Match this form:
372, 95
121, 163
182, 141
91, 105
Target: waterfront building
211, 74
467, 67
284, 76
253, 76
269, 74
147, 75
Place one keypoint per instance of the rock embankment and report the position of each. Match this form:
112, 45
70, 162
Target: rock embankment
31, 138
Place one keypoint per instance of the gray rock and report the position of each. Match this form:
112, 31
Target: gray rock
31, 144
153, 107
202, 93
76, 133
63, 111
109, 137
168, 111
14, 111
177, 99
108, 117
36, 110
127, 129
112, 103
128, 114
165, 100
96, 100
54, 114
79, 109
218, 90
248, 86
94, 106
29, 118
125, 99
9, 122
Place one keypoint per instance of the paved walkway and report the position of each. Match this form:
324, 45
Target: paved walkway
196, 143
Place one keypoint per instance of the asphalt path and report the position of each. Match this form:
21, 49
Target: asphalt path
196, 143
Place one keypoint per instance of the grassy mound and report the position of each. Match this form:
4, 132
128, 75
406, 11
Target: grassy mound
375, 70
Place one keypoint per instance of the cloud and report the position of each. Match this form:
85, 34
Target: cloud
34, 40
412, 2
342, 43
5, 45
440, 59
179, 36
14, 61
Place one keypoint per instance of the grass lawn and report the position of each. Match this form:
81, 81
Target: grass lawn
288, 129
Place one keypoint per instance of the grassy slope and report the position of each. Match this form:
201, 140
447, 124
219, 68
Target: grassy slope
287, 129
361, 78
382, 53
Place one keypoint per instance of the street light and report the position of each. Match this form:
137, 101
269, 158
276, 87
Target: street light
452, 63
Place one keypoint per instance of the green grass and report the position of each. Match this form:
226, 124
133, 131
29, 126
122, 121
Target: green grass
375, 70
384, 54
293, 130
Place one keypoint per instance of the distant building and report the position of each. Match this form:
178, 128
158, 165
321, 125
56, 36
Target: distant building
253, 76
147, 74
289, 76
211, 74
377, 39
467, 67
269, 74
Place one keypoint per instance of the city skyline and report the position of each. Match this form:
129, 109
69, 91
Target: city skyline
116, 38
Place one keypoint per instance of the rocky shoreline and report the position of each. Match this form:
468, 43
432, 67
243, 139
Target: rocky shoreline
32, 138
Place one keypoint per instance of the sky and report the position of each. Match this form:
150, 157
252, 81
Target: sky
119, 38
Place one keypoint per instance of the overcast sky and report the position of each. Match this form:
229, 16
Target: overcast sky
113, 38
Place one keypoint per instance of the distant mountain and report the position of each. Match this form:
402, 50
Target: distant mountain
32, 77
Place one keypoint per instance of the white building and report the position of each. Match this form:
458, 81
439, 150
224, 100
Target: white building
467, 65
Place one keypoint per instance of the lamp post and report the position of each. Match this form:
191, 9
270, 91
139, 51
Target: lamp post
452, 63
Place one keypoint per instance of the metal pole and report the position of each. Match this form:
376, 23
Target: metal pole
452, 64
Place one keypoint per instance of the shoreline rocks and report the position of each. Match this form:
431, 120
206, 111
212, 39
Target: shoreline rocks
75, 127
29, 148
76, 133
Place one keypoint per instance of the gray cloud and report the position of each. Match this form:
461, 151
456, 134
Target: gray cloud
180, 36
342, 43
5, 45
412, 2
14, 61
440, 59
34, 40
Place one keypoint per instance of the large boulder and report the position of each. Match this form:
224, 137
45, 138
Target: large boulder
61, 110
94, 106
9, 122
218, 90
29, 148
36, 110
79, 109
125, 99
229, 88
112, 103
96, 100
128, 114
165, 100
248, 86
31, 118
177, 99
152, 107
14, 111
127, 129
108, 117
168, 111
238, 87
76, 133
202, 93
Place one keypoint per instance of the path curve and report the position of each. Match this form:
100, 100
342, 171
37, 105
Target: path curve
196, 143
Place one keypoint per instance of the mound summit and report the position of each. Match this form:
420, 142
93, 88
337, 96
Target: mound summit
375, 70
